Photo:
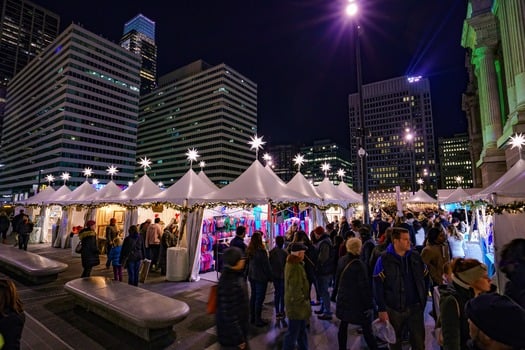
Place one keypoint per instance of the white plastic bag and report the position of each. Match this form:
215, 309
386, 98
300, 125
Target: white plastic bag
384, 331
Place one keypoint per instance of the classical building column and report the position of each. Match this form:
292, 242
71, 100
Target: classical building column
516, 17
506, 45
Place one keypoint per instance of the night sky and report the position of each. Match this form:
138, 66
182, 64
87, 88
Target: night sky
300, 52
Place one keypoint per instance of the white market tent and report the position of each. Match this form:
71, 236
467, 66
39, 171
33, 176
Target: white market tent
508, 188
207, 180
457, 196
353, 197
111, 190
420, 197
79, 195
38, 198
54, 197
330, 194
137, 193
299, 184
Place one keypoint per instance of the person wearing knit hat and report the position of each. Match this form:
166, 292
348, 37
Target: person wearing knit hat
469, 279
89, 253
232, 315
495, 322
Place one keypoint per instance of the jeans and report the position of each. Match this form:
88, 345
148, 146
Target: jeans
154, 251
342, 335
413, 319
296, 334
117, 273
133, 272
22, 241
322, 285
258, 292
278, 299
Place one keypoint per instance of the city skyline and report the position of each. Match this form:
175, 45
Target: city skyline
301, 54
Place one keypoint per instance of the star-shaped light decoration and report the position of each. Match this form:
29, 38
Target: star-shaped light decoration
87, 172
112, 171
192, 156
65, 176
518, 141
160, 184
298, 160
420, 182
202, 164
256, 143
145, 163
341, 173
268, 158
94, 181
50, 178
459, 179
325, 167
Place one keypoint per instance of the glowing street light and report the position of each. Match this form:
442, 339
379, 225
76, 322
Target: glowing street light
352, 8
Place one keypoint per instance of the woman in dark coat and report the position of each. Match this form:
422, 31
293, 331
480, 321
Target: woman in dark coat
89, 253
353, 295
259, 274
232, 302
168, 240
132, 254
12, 317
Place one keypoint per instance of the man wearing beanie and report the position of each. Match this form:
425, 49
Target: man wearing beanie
232, 302
296, 298
496, 322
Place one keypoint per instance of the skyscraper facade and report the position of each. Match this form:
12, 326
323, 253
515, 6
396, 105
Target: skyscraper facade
494, 36
400, 134
139, 38
455, 161
25, 30
326, 152
74, 107
282, 160
210, 108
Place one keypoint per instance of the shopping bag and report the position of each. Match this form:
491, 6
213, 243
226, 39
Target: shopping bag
384, 331
144, 270
212, 300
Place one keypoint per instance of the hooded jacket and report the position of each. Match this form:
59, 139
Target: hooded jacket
296, 290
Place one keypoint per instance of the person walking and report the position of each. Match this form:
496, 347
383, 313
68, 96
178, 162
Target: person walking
277, 261
17, 220
232, 302
114, 258
325, 268
296, 299
12, 316
259, 274
153, 236
132, 254
24, 232
4, 226
353, 295
435, 254
400, 289
469, 279
111, 234
89, 253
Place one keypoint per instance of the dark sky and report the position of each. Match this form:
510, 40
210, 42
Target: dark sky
300, 52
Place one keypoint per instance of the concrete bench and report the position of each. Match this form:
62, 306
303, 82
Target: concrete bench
146, 314
29, 266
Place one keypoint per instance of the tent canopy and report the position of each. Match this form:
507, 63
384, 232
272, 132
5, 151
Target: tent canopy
207, 180
137, 193
299, 184
331, 194
508, 188
108, 191
420, 197
352, 196
457, 196
57, 196
39, 198
79, 195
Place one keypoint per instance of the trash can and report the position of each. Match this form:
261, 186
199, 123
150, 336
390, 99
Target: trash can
177, 264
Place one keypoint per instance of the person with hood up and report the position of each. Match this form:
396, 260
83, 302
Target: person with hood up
89, 253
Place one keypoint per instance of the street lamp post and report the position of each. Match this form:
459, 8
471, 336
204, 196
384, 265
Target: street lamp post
351, 10
410, 138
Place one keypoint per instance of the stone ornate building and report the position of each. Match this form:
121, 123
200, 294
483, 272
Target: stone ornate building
494, 36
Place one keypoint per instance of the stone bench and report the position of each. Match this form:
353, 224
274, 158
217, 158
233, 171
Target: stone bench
149, 315
29, 266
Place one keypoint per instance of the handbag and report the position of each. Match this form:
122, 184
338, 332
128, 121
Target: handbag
78, 248
211, 308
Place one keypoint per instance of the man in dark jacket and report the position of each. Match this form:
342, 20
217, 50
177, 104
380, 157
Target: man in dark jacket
277, 261
512, 264
238, 240
4, 225
232, 302
400, 289
325, 269
344, 228
24, 231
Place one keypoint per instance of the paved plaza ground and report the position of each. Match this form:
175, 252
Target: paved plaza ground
55, 322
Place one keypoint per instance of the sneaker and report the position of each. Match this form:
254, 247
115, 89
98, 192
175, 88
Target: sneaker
325, 317
318, 312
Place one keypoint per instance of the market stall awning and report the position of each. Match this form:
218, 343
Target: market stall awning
207, 180
138, 193
510, 187
80, 195
331, 194
109, 191
352, 196
420, 197
457, 196
57, 196
39, 198
299, 184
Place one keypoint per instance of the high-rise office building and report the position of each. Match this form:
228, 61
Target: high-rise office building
25, 30
210, 108
282, 160
455, 161
399, 134
75, 106
139, 37
326, 151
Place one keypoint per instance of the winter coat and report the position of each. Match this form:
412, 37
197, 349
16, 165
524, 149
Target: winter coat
259, 267
454, 326
400, 281
132, 249
296, 290
515, 288
239, 243
366, 254
326, 256
435, 256
89, 253
232, 316
114, 255
352, 291
277, 261
11, 326
167, 240
25, 229
4, 223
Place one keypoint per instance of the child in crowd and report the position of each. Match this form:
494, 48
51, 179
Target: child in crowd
277, 261
114, 258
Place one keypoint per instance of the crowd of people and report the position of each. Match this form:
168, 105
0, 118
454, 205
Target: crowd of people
385, 272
